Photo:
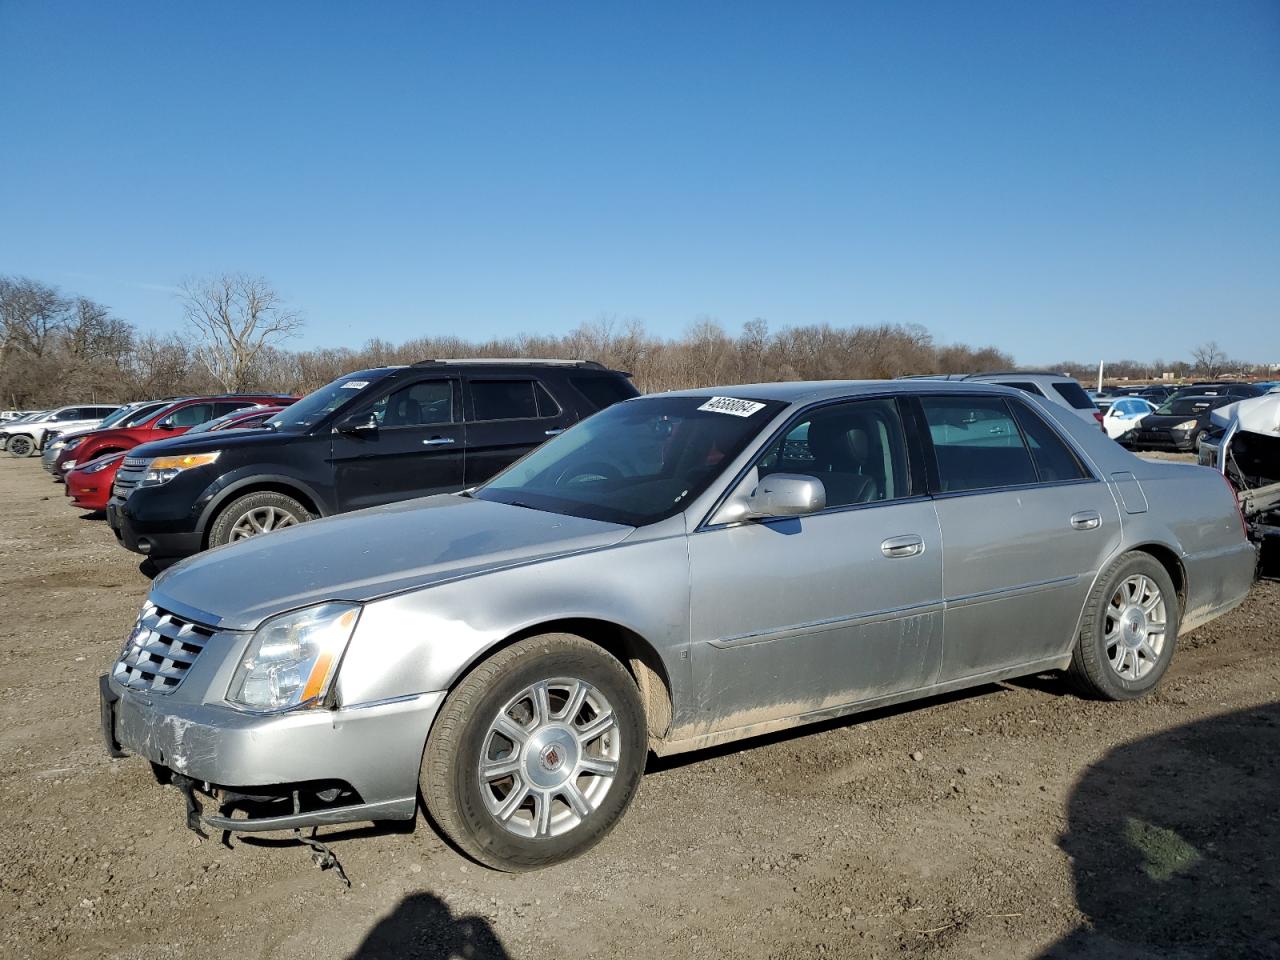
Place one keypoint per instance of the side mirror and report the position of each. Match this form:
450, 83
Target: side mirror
357, 423
166, 424
786, 495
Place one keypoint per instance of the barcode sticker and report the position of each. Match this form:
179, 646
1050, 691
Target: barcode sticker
732, 406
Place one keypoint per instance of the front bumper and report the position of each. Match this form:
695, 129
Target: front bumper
375, 748
151, 539
89, 492
1174, 441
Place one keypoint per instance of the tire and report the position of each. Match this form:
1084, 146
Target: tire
1200, 438
469, 810
21, 445
1120, 654
238, 519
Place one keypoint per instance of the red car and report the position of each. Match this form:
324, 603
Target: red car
89, 486
171, 420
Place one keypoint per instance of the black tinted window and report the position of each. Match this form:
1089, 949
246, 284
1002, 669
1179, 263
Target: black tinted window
856, 449
547, 406
977, 443
503, 399
1054, 460
1022, 385
417, 405
1073, 393
602, 392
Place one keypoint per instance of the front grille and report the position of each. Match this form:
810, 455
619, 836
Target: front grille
127, 477
160, 651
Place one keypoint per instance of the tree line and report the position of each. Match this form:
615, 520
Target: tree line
59, 348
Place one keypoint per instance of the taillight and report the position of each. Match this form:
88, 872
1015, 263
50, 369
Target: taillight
1097, 415
1244, 524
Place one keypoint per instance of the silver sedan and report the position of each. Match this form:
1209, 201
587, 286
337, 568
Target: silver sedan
678, 571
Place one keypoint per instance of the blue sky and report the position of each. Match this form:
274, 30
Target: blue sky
1061, 179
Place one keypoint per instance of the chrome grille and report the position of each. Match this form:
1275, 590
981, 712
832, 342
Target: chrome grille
127, 477
160, 651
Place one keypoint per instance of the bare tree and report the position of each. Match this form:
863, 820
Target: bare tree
236, 316
1209, 359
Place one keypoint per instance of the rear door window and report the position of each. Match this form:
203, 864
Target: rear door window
191, 415
510, 400
977, 443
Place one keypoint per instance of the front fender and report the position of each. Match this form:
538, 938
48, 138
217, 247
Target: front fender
426, 640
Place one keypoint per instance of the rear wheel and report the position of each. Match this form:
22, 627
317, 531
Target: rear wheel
21, 445
1129, 632
254, 514
537, 754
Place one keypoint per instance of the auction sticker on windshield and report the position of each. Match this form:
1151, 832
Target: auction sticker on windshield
732, 406
355, 384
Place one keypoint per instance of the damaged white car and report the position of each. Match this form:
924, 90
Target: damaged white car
1244, 446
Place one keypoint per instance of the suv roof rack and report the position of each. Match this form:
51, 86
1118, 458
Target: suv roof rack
1017, 373
531, 361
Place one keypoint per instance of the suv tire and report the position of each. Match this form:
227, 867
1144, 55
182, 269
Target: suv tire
256, 513
573, 773
1128, 632
21, 445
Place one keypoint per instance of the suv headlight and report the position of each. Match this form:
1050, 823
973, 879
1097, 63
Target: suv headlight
1186, 425
163, 469
292, 659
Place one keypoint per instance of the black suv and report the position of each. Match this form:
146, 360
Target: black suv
368, 438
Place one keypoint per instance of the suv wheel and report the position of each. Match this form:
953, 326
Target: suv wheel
537, 754
256, 513
1129, 631
21, 445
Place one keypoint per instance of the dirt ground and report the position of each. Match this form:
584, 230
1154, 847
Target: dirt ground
1032, 824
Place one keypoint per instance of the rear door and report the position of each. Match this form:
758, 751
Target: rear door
417, 448
506, 418
1025, 527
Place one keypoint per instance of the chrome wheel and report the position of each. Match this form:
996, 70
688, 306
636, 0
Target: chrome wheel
261, 520
1135, 627
549, 757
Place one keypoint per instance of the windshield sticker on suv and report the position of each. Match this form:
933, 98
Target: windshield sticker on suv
731, 406
355, 384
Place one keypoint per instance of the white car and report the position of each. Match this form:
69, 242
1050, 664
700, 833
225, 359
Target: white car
24, 439
1124, 414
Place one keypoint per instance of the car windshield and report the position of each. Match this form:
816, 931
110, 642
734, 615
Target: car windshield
218, 423
1189, 406
636, 462
140, 414
116, 417
318, 404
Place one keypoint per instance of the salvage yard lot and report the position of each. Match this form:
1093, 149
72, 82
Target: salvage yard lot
1011, 821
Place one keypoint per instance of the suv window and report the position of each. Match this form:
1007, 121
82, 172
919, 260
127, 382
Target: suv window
71, 413
1073, 393
1022, 385
977, 443
603, 391
1054, 460
511, 400
858, 450
416, 405
191, 415
222, 408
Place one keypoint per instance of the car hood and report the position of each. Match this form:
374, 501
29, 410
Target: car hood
209, 441
1256, 415
368, 554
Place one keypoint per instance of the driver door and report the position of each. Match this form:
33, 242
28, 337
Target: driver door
415, 449
795, 615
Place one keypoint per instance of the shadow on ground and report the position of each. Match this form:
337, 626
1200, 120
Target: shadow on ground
1175, 844
423, 928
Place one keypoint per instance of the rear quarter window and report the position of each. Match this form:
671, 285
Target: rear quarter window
1073, 393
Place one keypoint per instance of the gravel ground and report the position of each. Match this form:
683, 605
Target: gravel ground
1011, 821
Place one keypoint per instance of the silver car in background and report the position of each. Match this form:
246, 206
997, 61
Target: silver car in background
678, 571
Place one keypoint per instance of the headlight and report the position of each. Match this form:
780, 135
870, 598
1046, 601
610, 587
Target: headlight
69, 444
1186, 425
99, 466
292, 658
68, 466
163, 469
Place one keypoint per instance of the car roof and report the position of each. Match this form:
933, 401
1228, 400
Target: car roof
807, 391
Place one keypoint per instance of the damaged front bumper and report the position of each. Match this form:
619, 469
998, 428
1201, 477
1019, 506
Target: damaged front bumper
280, 771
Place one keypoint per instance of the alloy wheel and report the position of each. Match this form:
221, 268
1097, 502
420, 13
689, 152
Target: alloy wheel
261, 520
1136, 623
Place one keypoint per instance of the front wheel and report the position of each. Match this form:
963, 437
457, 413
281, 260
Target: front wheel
537, 754
21, 445
254, 514
1129, 630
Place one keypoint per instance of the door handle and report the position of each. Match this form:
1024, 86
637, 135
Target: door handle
438, 441
1086, 520
556, 432
905, 546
